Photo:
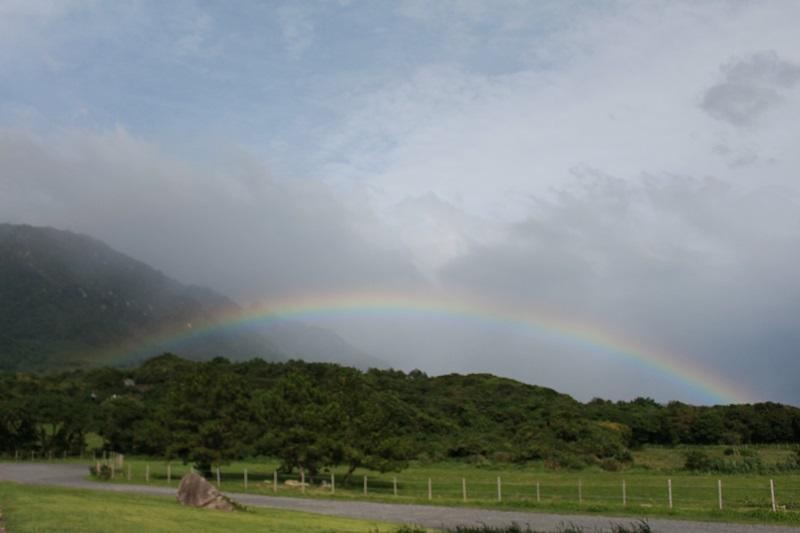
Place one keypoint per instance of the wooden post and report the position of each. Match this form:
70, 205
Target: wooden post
65, 455
624, 496
772, 495
464, 489
333, 483
580, 492
245, 479
430, 490
129, 471
669, 492
16, 455
169, 472
303, 480
218, 477
538, 494
112, 469
97, 468
365, 485
394, 485
719, 492
33, 454
499, 490
274, 481
147, 473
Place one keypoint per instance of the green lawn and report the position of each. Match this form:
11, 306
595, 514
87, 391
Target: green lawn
26, 508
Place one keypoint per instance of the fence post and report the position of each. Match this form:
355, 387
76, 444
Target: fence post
274, 481
430, 490
538, 494
394, 485
303, 480
245, 479
333, 483
464, 489
50, 455
719, 492
65, 455
129, 471
365, 485
669, 492
218, 477
16, 455
499, 490
772, 495
112, 470
169, 472
147, 473
624, 495
580, 492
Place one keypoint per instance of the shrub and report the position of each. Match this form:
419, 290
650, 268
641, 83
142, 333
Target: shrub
103, 473
697, 461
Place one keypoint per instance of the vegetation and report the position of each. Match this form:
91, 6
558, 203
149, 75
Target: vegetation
28, 508
314, 416
746, 496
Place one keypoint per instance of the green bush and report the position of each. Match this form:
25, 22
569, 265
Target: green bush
103, 473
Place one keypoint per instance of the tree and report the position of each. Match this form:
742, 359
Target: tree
207, 415
300, 421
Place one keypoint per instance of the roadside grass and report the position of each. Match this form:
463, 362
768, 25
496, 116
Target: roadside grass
32, 508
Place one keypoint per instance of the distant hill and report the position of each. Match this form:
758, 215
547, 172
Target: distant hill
68, 301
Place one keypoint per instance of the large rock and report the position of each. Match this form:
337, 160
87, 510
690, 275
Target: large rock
195, 491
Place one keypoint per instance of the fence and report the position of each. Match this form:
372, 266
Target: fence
639, 491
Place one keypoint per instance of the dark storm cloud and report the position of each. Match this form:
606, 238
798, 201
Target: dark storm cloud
750, 87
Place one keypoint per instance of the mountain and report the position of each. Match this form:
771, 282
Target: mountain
68, 301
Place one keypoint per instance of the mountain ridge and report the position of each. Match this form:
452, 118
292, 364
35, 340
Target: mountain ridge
68, 299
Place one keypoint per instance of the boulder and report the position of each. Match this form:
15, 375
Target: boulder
195, 491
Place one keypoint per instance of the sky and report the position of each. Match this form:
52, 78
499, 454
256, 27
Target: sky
629, 168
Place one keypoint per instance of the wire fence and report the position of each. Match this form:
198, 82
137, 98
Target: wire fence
642, 492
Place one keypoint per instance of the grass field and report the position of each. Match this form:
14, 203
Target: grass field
29, 509
746, 498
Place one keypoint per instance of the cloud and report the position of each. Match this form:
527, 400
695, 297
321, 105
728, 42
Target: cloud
226, 223
297, 26
697, 265
750, 87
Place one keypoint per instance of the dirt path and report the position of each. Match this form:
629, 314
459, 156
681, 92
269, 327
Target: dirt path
429, 516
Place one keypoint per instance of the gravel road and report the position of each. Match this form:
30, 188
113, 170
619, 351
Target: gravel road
429, 516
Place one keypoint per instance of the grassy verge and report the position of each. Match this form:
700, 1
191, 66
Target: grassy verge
27, 508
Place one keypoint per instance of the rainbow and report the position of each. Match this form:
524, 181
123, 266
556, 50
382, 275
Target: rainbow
544, 325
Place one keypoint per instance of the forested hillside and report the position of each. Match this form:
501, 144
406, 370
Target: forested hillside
69, 301
313, 415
